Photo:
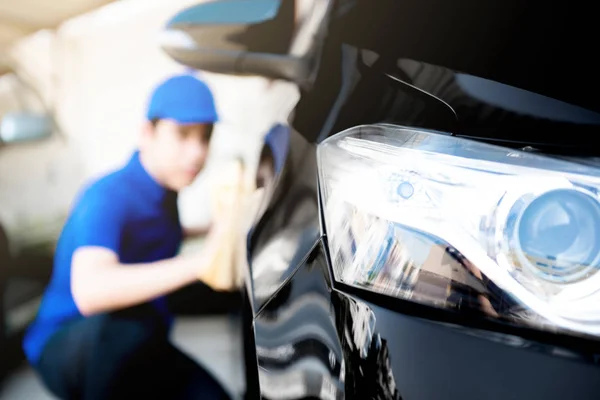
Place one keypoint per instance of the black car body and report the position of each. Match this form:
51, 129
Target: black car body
516, 74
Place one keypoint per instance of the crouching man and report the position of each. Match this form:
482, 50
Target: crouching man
102, 331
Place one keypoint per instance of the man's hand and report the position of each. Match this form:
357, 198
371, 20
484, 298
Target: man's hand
217, 268
229, 196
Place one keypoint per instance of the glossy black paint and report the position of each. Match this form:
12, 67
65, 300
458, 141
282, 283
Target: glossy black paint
538, 46
288, 224
430, 47
308, 342
298, 349
415, 63
314, 341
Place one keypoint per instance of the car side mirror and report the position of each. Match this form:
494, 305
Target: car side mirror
272, 38
19, 127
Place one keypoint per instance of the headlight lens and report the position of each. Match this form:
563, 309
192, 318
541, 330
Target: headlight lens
558, 235
464, 225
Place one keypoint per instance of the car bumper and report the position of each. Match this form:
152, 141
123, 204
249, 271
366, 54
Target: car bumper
317, 340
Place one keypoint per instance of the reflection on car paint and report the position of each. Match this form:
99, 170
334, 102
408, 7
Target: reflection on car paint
304, 345
316, 341
289, 223
300, 316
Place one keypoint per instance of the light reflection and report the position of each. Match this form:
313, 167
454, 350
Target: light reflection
402, 262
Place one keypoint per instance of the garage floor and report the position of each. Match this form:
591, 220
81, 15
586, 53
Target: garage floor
214, 341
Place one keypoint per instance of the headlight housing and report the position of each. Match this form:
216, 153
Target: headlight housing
464, 225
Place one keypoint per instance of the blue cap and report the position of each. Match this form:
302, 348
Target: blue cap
184, 99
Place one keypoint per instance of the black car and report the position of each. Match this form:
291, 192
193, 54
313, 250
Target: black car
430, 227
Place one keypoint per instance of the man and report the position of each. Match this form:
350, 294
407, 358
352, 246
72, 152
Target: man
102, 328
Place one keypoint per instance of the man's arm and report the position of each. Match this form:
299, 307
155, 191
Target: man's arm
99, 283
195, 232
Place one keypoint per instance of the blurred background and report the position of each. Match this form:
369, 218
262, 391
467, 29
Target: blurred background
86, 67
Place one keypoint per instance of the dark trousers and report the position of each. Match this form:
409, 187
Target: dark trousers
122, 355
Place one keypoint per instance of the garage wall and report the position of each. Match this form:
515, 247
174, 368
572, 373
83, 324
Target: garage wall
98, 69
37, 180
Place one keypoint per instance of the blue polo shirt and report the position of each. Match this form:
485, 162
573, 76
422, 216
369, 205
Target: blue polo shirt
127, 212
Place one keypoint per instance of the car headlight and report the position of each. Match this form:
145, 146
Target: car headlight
464, 225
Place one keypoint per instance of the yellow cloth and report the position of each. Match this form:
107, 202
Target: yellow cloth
231, 192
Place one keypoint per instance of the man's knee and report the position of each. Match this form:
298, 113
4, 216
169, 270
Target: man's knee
97, 352
128, 329
108, 334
